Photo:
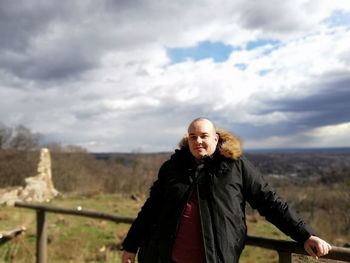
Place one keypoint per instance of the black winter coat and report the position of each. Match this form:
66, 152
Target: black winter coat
223, 186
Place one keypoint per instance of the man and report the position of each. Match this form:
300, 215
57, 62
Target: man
196, 208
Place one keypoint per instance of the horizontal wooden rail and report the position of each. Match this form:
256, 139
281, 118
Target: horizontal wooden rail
77, 212
284, 248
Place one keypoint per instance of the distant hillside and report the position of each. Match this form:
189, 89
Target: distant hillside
275, 162
301, 164
135, 172
330, 150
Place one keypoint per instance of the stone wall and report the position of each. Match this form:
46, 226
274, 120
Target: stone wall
38, 188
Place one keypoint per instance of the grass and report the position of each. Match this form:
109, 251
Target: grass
259, 227
70, 238
79, 239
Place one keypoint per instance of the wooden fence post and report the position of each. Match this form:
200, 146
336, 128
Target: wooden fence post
41, 242
284, 257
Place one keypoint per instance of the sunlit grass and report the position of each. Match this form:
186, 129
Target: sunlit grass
70, 238
81, 239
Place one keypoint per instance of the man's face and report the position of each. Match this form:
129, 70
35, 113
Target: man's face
202, 138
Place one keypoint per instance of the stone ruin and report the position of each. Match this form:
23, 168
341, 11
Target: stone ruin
37, 188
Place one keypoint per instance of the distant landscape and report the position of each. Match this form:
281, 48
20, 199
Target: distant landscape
316, 183
329, 150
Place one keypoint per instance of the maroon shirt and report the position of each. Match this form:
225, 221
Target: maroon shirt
188, 246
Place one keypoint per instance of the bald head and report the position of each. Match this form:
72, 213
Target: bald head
202, 119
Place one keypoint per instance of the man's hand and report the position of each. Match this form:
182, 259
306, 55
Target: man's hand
128, 257
316, 247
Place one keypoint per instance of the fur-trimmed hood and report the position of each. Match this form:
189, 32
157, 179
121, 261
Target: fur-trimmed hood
229, 145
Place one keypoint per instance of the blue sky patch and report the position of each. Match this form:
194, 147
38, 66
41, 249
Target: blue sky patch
264, 72
241, 66
262, 42
218, 51
338, 18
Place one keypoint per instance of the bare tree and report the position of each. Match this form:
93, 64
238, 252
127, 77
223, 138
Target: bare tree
5, 135
23, 139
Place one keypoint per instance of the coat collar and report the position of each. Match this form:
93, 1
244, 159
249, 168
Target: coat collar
229, 145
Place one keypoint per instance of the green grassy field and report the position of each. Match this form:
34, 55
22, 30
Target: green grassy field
79, 239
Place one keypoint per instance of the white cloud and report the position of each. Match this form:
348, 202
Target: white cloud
335, 135
331, 135
97, 73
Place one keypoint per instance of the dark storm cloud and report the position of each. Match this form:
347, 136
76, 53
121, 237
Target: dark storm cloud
327, 105
58, 64
49, 40
330, 104
270, 16
21, 21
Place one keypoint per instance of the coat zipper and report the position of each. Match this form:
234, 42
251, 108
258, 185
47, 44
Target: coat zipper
184, 207
190, 191
200, 219
194, 184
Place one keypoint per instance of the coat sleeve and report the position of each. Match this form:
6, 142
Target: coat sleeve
146, 219
260, 196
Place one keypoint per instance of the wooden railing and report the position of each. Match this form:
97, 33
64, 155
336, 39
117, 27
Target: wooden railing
284, 248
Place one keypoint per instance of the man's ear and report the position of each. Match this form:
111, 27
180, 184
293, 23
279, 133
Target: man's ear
217, 137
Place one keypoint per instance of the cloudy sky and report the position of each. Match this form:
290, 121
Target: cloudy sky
120, 75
